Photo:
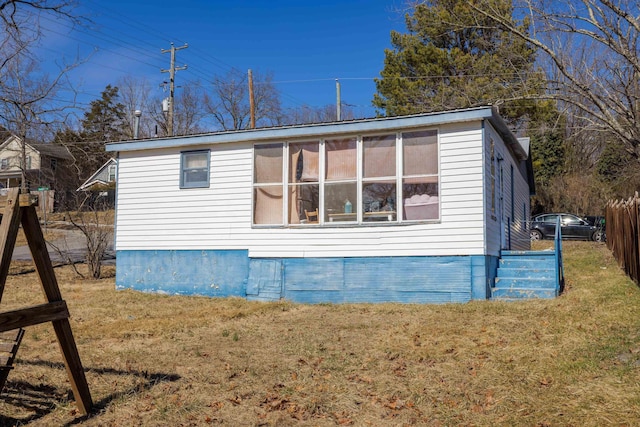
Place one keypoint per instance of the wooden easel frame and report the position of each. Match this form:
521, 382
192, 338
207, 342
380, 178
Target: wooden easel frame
21, 209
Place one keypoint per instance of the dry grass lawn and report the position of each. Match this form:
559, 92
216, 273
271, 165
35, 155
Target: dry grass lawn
158, 360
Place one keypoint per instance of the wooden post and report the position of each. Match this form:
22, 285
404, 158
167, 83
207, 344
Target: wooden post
8, 234
21, 208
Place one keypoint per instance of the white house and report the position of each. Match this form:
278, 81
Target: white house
45, 164
103, 177
408, 209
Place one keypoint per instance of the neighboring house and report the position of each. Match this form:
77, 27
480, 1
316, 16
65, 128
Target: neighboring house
408, 209
104, 177
46, 164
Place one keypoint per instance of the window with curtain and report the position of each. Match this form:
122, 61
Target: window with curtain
389, 178
267, 188
304, 191
194, 169
379, 178
341, 180
420, 175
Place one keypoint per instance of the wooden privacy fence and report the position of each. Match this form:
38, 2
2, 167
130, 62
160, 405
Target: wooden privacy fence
622, 224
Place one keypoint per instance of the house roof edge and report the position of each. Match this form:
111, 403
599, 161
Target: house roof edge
311, 130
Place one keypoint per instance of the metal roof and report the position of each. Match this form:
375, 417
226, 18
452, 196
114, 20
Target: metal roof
326, 129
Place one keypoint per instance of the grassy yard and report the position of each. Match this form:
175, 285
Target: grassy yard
170, 360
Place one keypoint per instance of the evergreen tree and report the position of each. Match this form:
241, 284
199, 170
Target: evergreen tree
452, 57
547, 127
106, 119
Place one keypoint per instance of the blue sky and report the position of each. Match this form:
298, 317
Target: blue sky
306, 45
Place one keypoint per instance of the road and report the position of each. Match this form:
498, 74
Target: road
71, 244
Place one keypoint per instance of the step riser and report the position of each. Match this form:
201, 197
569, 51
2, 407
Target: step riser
538, 273
527, 263
521, 293
511, 283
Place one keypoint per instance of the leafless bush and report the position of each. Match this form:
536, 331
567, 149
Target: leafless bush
96, 225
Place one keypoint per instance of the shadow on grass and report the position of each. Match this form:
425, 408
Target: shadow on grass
43, 399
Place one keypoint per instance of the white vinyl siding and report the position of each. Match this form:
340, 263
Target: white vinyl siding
519, 237
155, 214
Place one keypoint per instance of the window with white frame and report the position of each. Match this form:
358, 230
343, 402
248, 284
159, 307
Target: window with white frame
340, 180
388, 178
303, 183
379, 178
4, 164
112, 173
420, 175
268, 193
194, 169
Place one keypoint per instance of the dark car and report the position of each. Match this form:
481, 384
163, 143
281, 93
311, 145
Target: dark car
572, 227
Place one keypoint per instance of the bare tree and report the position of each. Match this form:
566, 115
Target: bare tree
92, 217
135, 95
228, 103
593, 53
188, 114
189, 111
26, 93
27, 107
308, 114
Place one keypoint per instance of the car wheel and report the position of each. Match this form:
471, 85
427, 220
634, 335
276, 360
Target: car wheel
598, 236
535, 235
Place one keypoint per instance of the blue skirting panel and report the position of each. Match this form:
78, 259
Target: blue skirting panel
209, 273
389, 279
307, 280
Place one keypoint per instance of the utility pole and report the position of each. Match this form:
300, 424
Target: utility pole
172, 74
338, 100
252, 105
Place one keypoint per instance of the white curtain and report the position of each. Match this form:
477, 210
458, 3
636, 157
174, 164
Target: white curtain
379, 156
420, 153
268, 198
341, 156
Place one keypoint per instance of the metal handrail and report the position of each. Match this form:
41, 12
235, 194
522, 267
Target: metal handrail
558, 254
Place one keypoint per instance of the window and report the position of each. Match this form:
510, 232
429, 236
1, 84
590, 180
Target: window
420, 175
379, 178
28, 162
4, 164
304, 175
350, 180
194, 169
54, 164
340, 184
112, 173
267, 179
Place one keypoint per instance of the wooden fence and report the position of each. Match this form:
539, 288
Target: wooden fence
622, 225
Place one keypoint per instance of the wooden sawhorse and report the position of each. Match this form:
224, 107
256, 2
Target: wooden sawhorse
20, 208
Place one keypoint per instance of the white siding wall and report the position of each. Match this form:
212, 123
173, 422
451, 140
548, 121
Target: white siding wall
154, 213
519, 235
522, 208
13, 152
